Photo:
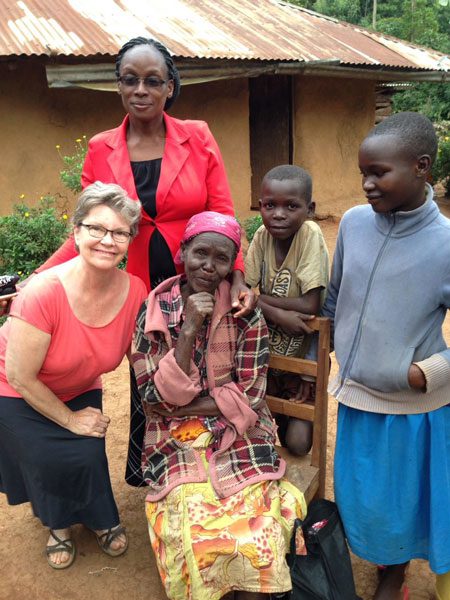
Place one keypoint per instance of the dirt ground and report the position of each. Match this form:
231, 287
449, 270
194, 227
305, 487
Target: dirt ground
25, 575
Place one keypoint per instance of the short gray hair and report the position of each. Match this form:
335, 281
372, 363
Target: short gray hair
111, 195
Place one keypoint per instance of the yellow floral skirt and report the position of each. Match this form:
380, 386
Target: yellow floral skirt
443, 586
206, 546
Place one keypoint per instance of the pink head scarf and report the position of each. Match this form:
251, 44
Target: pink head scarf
209, 221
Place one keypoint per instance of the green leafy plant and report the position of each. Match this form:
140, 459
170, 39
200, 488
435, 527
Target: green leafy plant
251, 225
71, 174
441, 167
30, 235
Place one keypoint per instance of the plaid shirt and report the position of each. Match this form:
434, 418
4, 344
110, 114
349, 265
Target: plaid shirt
229, 363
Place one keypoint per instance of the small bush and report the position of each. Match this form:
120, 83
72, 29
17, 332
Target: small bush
30, 235
71, 175
441, 167
251, 225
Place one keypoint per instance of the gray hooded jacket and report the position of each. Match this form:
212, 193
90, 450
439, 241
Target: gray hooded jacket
388, 296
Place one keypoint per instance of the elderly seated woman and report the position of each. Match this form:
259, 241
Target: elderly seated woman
69, 325
219, 513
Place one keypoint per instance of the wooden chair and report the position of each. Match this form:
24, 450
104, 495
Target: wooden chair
308, 472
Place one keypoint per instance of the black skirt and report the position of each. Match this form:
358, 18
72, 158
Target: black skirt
64, 476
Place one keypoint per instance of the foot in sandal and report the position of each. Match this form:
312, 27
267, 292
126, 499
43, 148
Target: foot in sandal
113, 541
60, 549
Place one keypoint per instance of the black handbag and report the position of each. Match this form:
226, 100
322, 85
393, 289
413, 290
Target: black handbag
319, 559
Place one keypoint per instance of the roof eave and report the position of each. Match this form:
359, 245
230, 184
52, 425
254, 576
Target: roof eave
101, 76
371, 72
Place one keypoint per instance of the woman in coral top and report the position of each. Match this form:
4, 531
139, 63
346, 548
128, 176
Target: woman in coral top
69, 325
220, 515
174, 167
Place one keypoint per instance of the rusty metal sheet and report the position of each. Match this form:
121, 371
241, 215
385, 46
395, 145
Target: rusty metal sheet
207, 29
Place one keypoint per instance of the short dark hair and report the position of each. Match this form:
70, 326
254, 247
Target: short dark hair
415, 131
171, 68
292, 173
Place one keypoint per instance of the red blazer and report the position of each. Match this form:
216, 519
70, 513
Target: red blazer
192, 179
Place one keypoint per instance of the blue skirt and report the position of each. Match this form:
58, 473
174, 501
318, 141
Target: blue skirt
392, 485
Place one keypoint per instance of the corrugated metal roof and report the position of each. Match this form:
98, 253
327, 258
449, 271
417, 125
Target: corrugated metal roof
226, 29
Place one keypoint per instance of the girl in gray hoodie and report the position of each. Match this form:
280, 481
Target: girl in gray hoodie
388, 297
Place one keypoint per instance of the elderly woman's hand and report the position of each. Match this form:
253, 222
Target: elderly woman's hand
243, 299
198, 307
199, 407
88, 421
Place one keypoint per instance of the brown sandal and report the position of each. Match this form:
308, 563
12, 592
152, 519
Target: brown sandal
105, 539
62, 546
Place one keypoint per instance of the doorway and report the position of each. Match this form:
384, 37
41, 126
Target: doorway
270, 108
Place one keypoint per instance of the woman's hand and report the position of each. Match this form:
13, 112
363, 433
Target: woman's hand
243, 299
88, 421
416, 378
198, 307
25, 354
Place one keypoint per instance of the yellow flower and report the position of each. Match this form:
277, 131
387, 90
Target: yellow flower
84, 137
78, 140
65, 217
19, 272
446, 138
57, 146
27, 214
22, 196
41, 198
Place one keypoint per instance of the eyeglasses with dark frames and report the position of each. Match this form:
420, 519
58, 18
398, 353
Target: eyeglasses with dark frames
149, 82
99, 232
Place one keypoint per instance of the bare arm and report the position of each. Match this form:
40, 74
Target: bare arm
291, 313
290, 321
309, 303
25, 355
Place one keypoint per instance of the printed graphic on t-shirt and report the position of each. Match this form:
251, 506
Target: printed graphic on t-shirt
281, 342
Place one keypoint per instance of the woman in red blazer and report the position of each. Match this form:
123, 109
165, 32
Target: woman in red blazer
173, 167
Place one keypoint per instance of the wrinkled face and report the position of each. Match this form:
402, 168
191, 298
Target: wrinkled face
143, 101
102, 253
283, 207
208, 258
391, 179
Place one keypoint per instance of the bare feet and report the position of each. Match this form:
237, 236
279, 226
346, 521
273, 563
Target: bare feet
60, 538
391, 582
